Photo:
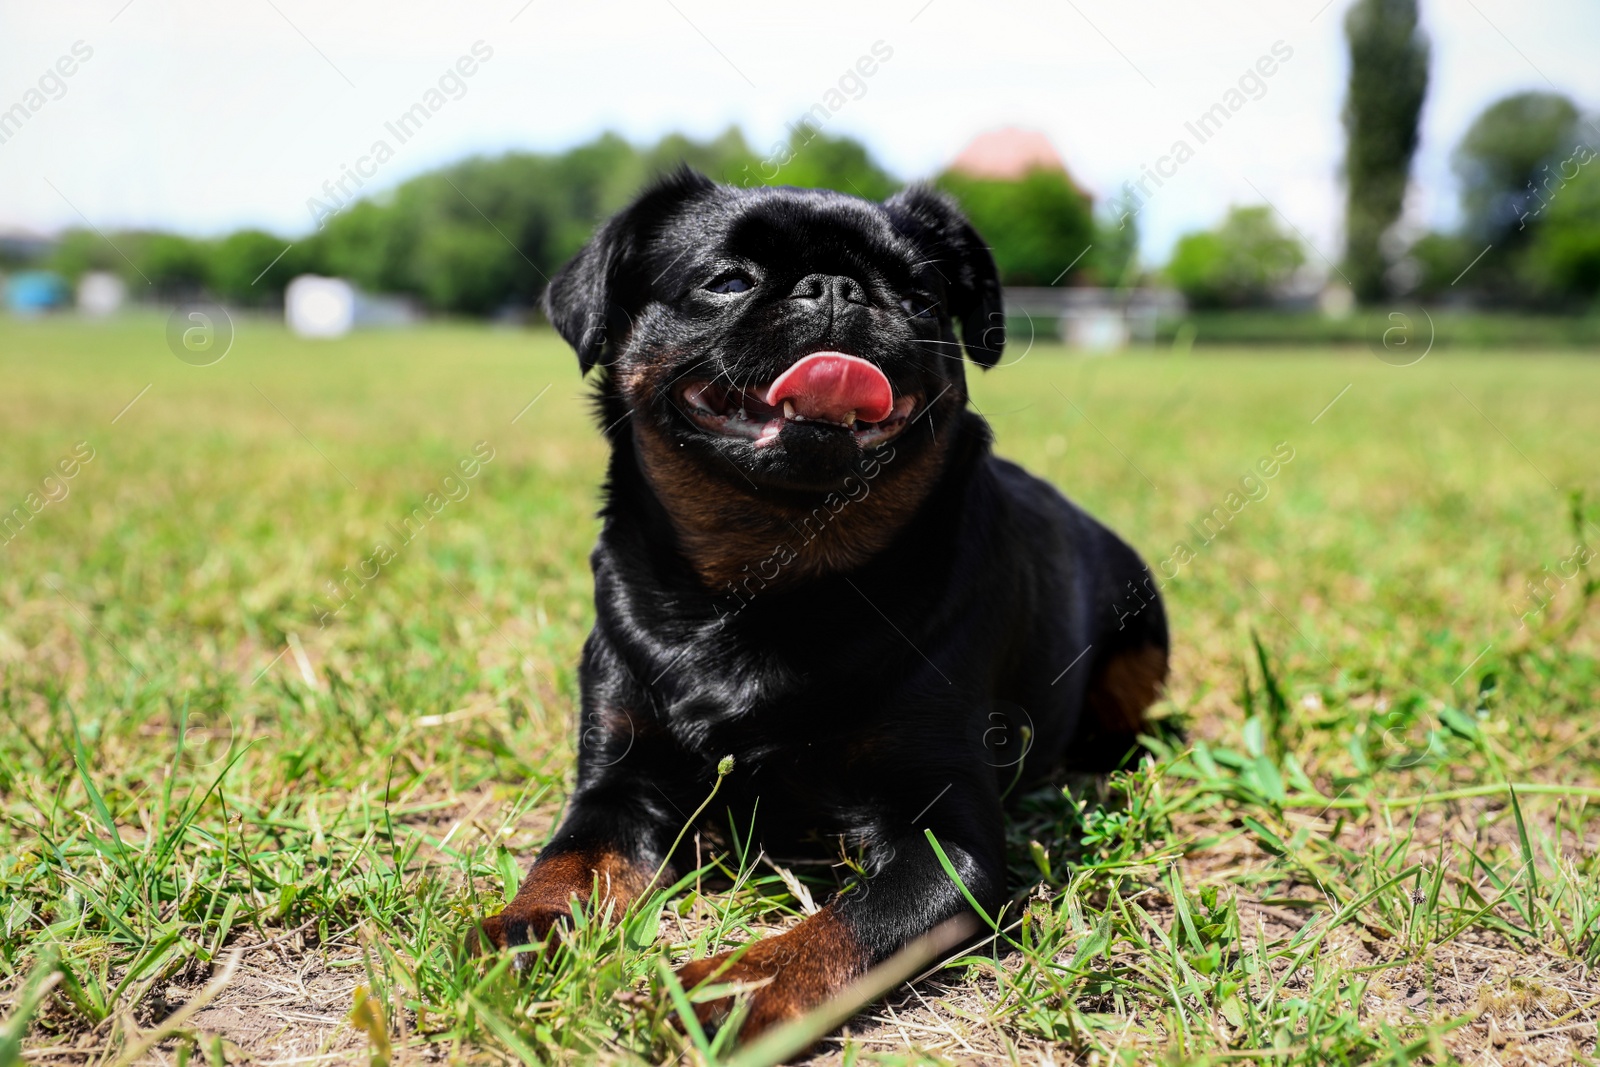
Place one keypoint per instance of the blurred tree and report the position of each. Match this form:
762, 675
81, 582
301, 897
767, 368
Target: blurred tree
464, 268
723, 159
1504, 156
1440, 259
1388, 80
160, 266
1114, 259
79, 251
486, 234
1526, 199
506, 215
578, 189
236, 267
175, 265
839, 163
1240, 263
1563, 259
1036, 225
474, 238
19, 251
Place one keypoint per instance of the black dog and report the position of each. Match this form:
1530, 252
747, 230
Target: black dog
812, 562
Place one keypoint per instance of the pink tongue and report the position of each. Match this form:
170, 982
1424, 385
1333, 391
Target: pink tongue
830, 385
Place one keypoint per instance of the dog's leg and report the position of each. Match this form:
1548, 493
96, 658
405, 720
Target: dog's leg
620, 820
908, 895
607, 850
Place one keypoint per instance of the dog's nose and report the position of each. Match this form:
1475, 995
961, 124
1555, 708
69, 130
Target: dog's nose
825, 288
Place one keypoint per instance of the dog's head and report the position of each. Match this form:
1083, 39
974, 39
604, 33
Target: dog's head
779, 335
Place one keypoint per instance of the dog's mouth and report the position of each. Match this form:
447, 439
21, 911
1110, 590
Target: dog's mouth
826, 391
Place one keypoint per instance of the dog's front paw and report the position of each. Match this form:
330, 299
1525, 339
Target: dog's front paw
784, 977
746, 971
523, 926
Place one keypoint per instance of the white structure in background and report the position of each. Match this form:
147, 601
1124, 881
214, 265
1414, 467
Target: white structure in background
1336, 301
100, 294
1093, 320
379, 310
1101, 329
315, 306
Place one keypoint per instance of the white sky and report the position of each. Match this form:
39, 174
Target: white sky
205, 116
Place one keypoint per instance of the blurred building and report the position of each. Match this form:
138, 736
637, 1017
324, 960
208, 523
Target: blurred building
1007, 154
314, 306
1089, 319
101, 293
1094, 320
24, 246
33, 292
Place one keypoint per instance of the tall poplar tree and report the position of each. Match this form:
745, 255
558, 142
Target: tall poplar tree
1388, 80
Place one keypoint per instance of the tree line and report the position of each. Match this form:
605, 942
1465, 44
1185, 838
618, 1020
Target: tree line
483, 236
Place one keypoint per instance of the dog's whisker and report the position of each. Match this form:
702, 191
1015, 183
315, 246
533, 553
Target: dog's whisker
686, 372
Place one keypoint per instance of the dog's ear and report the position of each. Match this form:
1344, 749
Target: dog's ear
971, 281
593, 300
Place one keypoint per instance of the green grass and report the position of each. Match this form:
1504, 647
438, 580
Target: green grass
199, 757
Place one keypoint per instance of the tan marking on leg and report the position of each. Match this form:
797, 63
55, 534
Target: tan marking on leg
801, 968
605, 881
1124, 689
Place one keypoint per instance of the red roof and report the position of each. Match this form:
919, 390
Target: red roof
1008, 154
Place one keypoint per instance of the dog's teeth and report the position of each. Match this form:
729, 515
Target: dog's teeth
788, 409
849, 420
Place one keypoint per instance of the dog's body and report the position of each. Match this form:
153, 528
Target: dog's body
883, 624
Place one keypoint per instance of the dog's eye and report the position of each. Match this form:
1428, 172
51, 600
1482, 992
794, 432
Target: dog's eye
732, 283
917, 306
